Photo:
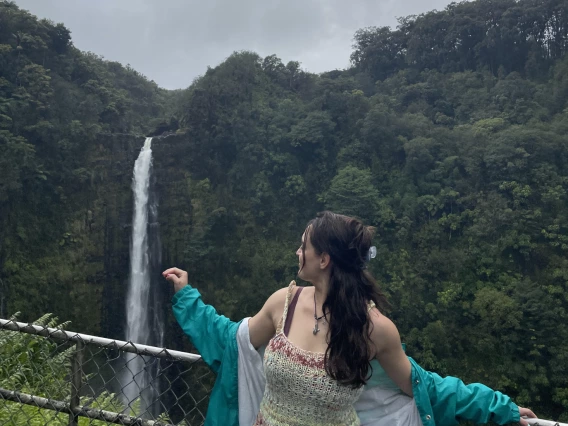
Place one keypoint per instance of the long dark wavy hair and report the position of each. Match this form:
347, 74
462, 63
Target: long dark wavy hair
351, 288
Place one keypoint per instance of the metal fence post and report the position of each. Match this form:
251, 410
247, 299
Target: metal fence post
2, 298
181, 403
76, 382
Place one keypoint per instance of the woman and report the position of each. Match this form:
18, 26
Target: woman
314, 375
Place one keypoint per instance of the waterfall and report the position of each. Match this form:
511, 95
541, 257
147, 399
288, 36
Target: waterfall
143, 323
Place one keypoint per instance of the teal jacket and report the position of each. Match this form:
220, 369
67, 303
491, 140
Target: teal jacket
440, 401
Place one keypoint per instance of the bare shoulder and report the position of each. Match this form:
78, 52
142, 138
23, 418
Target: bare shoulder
279, 296
263, 325
379, 320
384, 332
388, 351
274, 305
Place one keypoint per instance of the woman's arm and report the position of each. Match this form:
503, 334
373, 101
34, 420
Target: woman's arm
208, 331
263, 325
389, 351
451, 400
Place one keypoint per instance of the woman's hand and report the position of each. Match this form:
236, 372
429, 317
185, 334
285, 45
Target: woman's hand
525, 412
177, 277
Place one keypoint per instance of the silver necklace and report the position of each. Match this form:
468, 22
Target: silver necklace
316, 318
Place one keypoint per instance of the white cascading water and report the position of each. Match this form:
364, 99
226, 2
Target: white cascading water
135, 378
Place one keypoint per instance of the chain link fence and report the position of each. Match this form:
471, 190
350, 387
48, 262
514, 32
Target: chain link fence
50, 376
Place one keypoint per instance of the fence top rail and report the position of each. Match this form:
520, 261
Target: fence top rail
59, 334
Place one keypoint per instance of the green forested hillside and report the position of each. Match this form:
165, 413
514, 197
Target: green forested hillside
449, 134
62, 114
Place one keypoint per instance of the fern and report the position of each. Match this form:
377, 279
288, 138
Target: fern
39, 366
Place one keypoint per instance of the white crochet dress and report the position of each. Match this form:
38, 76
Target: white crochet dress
298, 390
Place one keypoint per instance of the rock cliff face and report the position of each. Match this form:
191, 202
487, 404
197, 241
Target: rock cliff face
67, 147
102, 225
88, 259
84, 267
102, 231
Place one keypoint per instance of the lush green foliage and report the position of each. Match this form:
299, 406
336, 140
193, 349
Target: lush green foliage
35, 365
503, 36
56, 106
449, 135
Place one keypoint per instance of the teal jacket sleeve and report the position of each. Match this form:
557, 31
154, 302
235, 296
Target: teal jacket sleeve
208, 331
474, 402
452, 401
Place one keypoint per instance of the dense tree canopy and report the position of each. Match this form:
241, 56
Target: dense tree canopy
448, 134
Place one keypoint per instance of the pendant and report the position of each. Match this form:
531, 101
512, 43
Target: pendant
316, 329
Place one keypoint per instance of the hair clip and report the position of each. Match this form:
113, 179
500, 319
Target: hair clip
372, 253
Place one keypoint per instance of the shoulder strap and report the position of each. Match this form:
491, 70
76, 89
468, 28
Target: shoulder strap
286, 304
291, 310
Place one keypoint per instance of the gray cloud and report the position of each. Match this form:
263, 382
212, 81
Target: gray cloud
173, 41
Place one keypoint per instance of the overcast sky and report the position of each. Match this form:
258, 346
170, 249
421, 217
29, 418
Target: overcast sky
173, 41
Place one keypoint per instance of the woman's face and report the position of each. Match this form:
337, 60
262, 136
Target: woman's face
308, 260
